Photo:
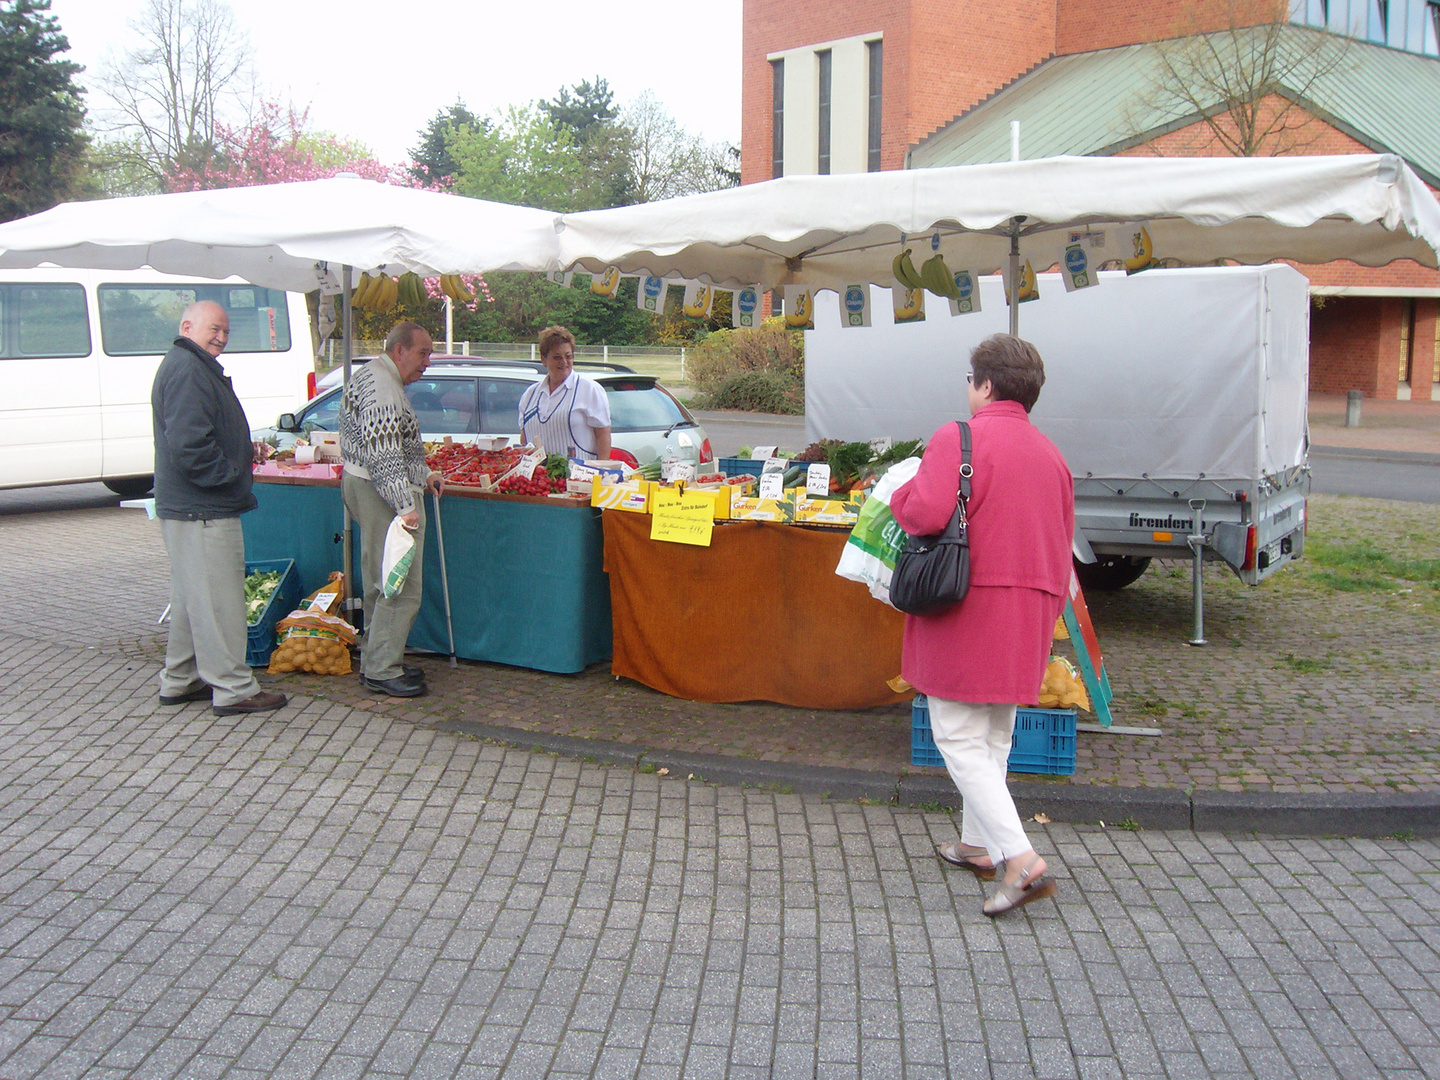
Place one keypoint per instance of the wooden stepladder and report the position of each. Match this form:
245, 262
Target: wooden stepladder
1087, 652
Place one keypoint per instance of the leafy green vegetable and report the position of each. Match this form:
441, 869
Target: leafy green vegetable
558, 465
847, 461
259, 587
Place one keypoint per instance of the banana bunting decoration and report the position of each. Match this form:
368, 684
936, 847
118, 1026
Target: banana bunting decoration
698, 300
1029, 288
1144, 257
606, 284
800, 307
909, 304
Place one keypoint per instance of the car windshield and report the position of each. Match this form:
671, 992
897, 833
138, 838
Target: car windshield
642, 406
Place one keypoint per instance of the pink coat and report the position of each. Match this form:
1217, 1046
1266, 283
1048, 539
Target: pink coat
992, 647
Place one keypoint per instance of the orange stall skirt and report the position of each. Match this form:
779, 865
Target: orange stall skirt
759, 615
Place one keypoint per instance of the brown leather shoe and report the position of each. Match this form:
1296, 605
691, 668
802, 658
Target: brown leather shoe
264, 701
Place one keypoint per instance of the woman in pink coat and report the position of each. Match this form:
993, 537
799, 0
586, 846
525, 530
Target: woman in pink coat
978, 660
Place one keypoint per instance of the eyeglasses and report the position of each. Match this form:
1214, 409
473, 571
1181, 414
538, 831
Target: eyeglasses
970, 378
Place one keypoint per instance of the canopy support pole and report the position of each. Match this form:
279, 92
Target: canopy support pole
1014, 281
355, 596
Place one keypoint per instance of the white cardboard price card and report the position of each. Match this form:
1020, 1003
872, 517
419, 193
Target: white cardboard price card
774, 464
672, 469
772, 485
817, 479
763, 453
528, 463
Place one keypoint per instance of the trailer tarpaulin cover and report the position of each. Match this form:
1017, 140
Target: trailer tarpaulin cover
1167, 374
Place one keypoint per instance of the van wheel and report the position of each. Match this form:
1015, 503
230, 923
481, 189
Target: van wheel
132, 487
1111, 572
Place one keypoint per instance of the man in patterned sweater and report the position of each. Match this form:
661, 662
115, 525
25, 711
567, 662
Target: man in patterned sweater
385, 477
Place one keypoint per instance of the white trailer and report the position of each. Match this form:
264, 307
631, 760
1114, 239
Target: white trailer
1178, 398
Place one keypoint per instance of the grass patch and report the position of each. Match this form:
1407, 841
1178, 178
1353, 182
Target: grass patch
1361, 565
1130, 825
1304, 663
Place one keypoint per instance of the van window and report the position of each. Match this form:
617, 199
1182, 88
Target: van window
44, 320
138, 320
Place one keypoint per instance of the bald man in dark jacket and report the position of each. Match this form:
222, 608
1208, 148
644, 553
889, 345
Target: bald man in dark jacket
202, 485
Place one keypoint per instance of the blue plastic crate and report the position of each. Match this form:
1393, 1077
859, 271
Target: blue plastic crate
1044, 740
260, 640
740, 466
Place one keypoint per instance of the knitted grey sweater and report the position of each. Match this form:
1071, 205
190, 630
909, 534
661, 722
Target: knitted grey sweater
380, 434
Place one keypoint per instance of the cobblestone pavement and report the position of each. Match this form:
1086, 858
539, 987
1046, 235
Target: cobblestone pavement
335, 892
1322, 679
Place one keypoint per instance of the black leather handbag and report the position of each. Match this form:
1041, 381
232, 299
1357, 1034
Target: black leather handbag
933, 572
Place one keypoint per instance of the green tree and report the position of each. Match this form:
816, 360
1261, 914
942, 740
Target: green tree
591, 105
431, 164
523, 159
42, 142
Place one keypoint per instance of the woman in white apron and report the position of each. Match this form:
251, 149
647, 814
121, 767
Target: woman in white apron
565, 413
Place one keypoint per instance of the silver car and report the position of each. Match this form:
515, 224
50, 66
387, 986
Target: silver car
464, 396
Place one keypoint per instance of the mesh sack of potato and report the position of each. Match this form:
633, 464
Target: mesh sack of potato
1062, 687
311, 638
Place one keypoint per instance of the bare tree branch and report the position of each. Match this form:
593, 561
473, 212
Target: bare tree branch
188, 71
1250, 86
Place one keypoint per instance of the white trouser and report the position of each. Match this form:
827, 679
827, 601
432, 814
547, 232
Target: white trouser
974, 740
207, 610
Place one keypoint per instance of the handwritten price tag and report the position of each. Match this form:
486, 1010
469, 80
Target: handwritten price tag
763, 453
817, 479
772, 485
682, 519
672, 469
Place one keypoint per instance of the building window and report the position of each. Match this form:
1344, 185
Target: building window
823, 98
1402, 24
1407, 337
777, 119
875, 56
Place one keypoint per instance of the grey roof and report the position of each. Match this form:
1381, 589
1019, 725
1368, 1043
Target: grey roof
1103, 102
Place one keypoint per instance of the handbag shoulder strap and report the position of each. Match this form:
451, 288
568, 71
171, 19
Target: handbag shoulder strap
966, 469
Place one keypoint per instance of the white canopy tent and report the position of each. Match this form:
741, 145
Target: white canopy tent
833, 231
283, 236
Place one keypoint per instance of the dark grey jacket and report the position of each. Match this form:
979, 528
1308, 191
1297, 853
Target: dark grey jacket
203, 455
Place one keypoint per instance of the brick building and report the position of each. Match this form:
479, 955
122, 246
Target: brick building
887, 84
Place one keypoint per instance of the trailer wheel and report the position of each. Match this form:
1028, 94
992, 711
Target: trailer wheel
1111, 572
131, 487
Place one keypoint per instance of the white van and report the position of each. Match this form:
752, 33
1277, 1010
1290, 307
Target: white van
78, 352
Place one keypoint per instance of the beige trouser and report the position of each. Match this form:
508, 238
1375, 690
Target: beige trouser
207, 610
387, 622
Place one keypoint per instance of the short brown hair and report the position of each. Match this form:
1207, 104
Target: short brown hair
1012, 367
552, 336
403, 334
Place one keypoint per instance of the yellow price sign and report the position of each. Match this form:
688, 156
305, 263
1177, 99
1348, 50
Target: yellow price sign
685, 518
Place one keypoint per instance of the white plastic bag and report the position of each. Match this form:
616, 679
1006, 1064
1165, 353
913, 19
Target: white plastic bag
395, 562
869, 553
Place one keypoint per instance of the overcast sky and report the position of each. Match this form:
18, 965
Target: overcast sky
378, 72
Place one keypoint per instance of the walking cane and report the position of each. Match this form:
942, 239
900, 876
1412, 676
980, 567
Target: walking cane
444, 578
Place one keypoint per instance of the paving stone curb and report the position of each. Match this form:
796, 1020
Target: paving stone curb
1275, 813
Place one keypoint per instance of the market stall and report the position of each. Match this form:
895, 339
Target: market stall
527, 585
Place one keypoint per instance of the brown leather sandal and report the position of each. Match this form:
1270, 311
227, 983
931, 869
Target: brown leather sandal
965, 856
1009, 897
